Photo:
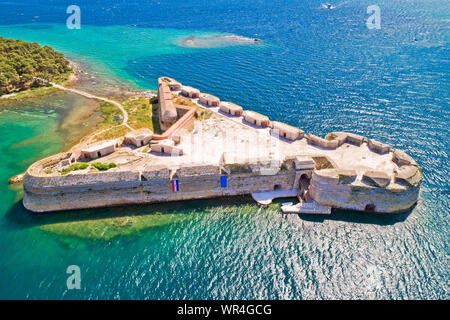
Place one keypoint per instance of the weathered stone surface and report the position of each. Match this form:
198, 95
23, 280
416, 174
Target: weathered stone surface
378, 147
346, 176
382, 200
408, 174
153, 190
304, 162
16, 179
376, 178
402, 158
286, 131
139, 137
256, 118
324, 143
347, 137
198, 170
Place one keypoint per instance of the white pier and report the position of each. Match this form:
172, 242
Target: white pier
265, 198
310, 207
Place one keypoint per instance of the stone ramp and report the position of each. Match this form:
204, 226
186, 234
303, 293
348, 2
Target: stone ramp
310, 207
265, 198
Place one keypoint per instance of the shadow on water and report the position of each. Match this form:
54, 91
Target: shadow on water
19, 217
360, 217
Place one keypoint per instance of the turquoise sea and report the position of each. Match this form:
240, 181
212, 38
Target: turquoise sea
319, 69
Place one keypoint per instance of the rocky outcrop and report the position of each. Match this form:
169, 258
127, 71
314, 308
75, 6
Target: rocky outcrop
16, 179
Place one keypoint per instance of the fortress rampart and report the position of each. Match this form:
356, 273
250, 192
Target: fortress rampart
42, 194
339, 190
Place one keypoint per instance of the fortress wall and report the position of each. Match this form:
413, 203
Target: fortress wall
385, 200
159, 189
336, 139
402, 158
77, 181
42, 164
156, 172
196, 170
326, 176
378, 147
409, 175
324, 143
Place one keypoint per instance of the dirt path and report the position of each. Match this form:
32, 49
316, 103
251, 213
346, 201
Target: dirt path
91, 96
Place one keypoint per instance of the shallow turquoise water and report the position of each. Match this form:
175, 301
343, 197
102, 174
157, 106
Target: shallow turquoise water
318, 69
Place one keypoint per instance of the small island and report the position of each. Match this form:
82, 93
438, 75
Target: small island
186, 144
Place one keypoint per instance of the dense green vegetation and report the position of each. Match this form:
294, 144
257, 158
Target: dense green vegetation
21, 62
81, 166
103, 166
74, 167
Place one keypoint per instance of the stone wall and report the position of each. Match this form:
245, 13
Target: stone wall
327, 188
43, 194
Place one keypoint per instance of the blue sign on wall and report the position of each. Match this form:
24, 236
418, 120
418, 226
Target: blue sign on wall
223, 181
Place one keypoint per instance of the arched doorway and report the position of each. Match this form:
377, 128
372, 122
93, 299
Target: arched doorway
303, 184
370, 207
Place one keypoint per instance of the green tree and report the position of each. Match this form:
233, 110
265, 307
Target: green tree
21, 62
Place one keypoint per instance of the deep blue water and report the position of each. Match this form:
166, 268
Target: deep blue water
321, 70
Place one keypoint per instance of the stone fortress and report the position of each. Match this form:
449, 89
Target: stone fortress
231, 152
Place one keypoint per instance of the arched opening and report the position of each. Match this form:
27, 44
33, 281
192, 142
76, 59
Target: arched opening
142, 143
303, 184
370, 207
276, 187
99, 154
162, 150
304, 178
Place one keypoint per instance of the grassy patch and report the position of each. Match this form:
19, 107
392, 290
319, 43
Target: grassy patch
322, 163
104, 166
112, 133
142, 113
203, 114
184, 101
74, 167
109, 111
27, 95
